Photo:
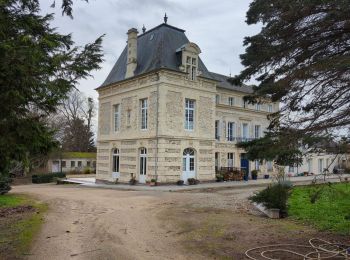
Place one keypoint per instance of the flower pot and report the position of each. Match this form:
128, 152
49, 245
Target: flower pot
246, 177
266, 176
254, 177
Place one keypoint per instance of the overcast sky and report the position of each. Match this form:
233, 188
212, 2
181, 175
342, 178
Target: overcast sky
217, 27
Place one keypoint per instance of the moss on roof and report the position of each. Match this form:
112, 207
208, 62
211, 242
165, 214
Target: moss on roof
81, 155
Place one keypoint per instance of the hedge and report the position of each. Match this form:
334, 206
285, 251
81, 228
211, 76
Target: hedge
46, 178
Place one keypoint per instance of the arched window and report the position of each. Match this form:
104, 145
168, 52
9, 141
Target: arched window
115, 165
188, 159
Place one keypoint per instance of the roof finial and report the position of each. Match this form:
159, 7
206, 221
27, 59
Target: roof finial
143, 29
165, 18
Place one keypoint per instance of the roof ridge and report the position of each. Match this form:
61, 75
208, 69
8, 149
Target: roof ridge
158, 26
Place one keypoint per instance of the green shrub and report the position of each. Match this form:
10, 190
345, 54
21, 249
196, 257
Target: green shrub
46, 178
275, 196
87, 170
192, 181
4, 185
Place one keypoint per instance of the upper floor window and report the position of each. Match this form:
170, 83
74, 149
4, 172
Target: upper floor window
217, 129
258, 106
189, 114
230, 131
144, 111
257, 131
217, 99
128, 117
116, 117
191, 67
269, 108
231, 101
245, 131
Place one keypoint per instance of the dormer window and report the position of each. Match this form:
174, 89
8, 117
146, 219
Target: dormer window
188, 54
191, 67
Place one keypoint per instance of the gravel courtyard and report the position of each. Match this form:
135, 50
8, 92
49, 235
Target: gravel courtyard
90, 223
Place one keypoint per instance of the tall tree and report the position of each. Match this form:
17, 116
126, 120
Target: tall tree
301, 58
38, 68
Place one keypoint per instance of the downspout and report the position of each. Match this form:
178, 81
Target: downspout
157, 132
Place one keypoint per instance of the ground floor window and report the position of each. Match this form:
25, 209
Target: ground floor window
320, 166
230, 159
269, 166
115, 164
143, 161
216, 161
257, 165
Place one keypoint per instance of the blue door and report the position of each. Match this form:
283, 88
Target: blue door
245, 167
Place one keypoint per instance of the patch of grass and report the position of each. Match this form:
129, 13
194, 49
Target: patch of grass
327, 207
17, 231
11, 200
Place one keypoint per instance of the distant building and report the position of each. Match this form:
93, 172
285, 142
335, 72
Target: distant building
163, 115
71, 161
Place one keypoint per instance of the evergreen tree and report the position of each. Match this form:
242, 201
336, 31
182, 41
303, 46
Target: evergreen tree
301, 58
38, 68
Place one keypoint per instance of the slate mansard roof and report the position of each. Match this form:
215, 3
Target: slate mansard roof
156, 49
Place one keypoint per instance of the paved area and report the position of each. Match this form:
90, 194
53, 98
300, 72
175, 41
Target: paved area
305, 180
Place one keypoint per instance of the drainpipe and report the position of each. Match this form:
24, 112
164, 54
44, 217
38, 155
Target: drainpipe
157, 132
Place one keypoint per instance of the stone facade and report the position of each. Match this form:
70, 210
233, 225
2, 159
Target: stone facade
166, 138
189, 113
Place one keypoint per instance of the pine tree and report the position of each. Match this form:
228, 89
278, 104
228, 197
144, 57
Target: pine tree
38, 68
301, 58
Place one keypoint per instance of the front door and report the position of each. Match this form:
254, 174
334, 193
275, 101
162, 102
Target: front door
244, 164
188, 165
143, 165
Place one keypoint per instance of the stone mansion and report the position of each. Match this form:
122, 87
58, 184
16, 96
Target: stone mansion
163, 115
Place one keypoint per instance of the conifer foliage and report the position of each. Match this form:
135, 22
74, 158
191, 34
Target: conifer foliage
38, 67
301, 57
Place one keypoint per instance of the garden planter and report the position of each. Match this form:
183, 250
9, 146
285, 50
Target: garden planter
254, 177
266, 176
271, 213
246, 177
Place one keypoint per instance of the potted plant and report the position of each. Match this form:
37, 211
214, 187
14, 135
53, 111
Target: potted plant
219, 177
192, 181
254, 174
153, 182
266, 176
246, 176
180, 182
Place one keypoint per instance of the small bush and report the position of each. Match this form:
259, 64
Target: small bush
4, 185
46, 178
87, 170
180, 182
192, 181
74, 172
219, 177
153, 180
275, 196
254, 174
133, 181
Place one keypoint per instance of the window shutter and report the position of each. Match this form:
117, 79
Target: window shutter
219, 129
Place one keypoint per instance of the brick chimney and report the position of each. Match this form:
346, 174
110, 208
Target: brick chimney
131, 62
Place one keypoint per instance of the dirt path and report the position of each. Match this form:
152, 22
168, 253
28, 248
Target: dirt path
85, 223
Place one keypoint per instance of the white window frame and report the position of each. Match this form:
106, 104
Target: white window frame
191, 67
217, 99
242, 131
320, 166
257, 131
115, 161
257, 165
269, 166
257, 106
190, 105
231, 101
309, 165
230, 160
231, 131
269, 108
144, 113
116, 118
217, 130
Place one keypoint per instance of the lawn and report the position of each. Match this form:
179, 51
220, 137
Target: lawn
330, 209
20, 220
